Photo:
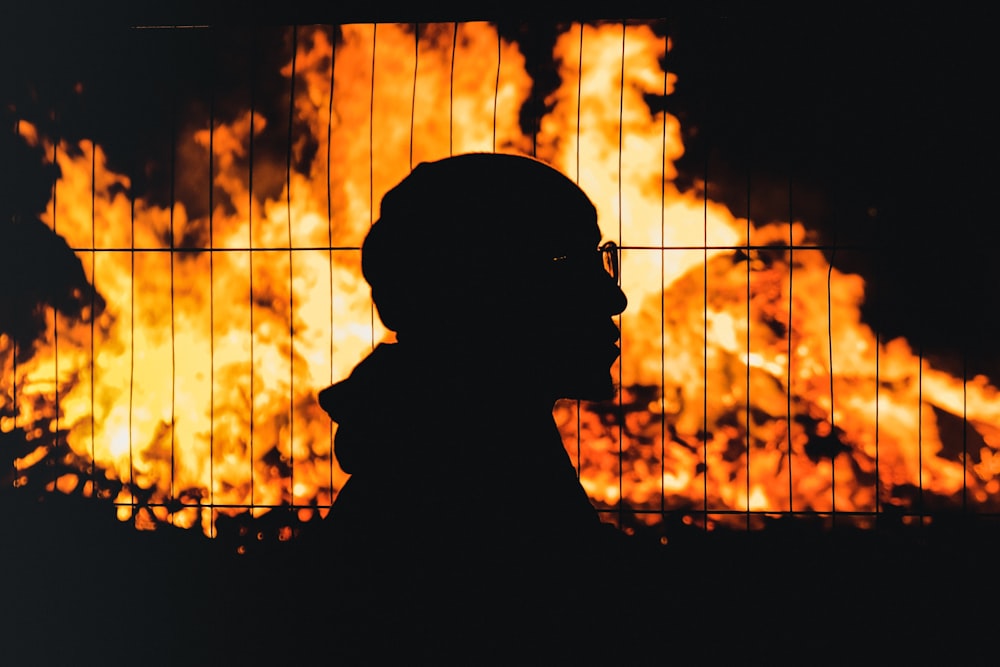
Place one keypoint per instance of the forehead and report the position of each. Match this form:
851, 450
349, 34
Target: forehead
562, 219
579, 234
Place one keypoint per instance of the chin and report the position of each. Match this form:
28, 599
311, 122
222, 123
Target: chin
592, 389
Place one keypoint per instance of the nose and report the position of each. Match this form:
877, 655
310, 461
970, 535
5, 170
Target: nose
617, 301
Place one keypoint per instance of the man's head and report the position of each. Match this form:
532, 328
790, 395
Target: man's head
497, 255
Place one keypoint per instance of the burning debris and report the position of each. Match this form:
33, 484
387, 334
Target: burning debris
176, 356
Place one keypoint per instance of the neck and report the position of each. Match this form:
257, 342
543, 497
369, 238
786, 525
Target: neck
468, 373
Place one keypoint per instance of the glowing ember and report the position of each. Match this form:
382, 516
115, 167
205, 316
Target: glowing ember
750, 381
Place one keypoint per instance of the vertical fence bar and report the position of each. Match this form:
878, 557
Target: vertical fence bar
173, 293
413, 95
57, 440
749, 296
788, 369
621, 407
878, 381
329, 215
371, 159
211, 286
663, 280
921, 509
496, 90
291, 274
250, 253
14, 220
704, 350
93, 315
833, 406
131, 345
451, 91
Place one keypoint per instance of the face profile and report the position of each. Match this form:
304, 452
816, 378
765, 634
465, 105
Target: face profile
579, 332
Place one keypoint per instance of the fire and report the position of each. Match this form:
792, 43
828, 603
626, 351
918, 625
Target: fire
749, 381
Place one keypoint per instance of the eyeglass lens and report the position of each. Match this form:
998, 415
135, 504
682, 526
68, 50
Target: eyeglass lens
609, 253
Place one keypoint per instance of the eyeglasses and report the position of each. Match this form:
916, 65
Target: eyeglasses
609, 258
609, 254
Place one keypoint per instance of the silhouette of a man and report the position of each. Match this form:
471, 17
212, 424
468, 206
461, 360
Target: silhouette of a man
463, 515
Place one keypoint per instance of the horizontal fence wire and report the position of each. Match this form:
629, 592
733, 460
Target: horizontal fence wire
224, 249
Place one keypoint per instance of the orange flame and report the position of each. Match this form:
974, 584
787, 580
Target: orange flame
749, 380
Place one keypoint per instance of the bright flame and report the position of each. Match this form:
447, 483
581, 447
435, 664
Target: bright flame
197, 381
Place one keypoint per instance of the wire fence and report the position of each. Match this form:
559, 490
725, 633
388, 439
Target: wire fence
211, 287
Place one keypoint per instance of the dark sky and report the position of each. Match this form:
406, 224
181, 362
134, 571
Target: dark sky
873, 126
